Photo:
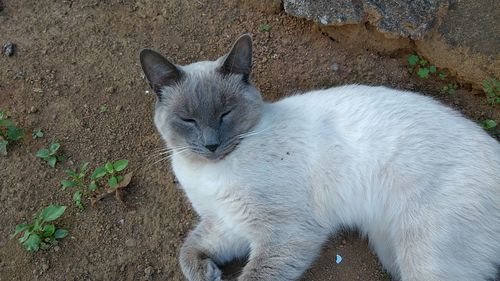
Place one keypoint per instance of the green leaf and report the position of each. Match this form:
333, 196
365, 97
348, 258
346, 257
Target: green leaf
487, 86
423, 62
52, 212
48, 230
20, 228
109, 167
60, 233
32, 244
6, 123
93, 186
489, 124
3, 147
423, 72
54, 147
52, 161
413, 59
98, 173
25, 236
264, 27
14, 133
72, 174
84, 169
120, 165
432, 69
43, 153
113, 182
442, 75
119, 178
67, 183
77, 198
37, 134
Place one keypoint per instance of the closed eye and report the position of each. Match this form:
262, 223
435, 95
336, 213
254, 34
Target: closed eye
224, 115
188, 120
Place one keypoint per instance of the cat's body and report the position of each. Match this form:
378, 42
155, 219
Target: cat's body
422, 182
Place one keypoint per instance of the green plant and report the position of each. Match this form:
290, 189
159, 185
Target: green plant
442, 75
103, 108
450, 88
264, 27
9, 132
38, 234
38, 133
112, 170
492, 89
49, 154
421, 66
115, 183
489, 124
77, 180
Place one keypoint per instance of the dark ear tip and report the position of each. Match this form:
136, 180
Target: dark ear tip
146, 51
246, 37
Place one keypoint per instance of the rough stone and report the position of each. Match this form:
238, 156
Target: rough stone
458, 35
403, 18
466, 42
9, 48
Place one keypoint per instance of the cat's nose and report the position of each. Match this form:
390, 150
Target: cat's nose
212, 147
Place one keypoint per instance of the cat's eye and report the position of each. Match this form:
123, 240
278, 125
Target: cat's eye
224, 115
188, 120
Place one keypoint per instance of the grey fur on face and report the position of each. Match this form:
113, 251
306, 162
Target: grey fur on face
205, 107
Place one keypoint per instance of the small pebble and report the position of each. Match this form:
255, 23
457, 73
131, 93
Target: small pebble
335, 67
121, 221
45, 267
118, 107
9, 48
33, 109
57, 248
148, 271
110, 90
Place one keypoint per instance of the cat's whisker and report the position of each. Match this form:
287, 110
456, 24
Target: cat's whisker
252, 133
169, 156
153, 159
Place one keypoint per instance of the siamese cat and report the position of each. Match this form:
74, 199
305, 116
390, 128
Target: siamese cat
272, 181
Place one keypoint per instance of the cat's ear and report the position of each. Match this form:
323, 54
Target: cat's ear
158, 70
239, 59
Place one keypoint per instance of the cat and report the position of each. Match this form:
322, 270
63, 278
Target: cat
272, 181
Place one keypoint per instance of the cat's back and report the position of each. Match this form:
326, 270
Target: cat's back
385, 129
370, 114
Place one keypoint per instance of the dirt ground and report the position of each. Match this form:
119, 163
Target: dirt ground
74, 56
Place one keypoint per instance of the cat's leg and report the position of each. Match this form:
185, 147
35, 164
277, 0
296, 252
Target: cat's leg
282, 260
206, 246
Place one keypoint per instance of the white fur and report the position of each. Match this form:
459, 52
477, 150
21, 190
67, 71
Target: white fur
422, 182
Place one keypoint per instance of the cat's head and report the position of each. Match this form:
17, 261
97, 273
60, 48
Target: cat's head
204, 108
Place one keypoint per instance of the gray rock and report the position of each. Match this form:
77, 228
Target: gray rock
458, 35
403, 18
8, 48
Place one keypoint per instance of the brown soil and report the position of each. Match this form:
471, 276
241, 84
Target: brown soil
74, 56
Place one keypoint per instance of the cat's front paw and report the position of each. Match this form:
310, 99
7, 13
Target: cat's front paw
213, 272
202, 270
